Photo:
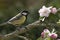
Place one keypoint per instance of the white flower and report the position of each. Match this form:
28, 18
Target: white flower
46, 31
44, 11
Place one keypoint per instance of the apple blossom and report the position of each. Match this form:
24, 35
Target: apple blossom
44, 11
53, 35
53, 10
46, 31
58, 39
42, 34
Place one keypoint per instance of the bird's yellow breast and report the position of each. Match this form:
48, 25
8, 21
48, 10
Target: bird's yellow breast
20, 21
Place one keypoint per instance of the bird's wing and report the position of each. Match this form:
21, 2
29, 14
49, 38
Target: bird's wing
15, 17
19, 21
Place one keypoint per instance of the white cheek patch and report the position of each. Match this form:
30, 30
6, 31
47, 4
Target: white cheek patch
24, 13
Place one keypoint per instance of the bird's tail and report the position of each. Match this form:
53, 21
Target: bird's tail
2, 24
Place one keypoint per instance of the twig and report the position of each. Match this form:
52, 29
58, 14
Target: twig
25, 38
2, 24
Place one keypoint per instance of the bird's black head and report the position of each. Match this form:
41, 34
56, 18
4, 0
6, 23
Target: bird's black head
25, 13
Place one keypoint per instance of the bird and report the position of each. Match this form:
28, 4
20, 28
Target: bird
18, 20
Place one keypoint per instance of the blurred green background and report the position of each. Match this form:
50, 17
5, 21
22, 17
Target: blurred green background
9, 8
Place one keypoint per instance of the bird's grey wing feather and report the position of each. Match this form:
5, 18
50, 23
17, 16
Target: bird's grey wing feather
15, 17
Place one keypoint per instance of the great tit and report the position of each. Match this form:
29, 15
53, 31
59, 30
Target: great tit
19, 19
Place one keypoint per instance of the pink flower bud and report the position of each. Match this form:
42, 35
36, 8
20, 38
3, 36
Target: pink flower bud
42, 34
53, 10
58, 39
53, 35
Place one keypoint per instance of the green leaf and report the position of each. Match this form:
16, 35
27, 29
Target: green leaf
40, 38
58, 22
48, 38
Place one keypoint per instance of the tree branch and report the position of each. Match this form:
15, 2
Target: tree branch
25, 29
22, 30
25, 38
